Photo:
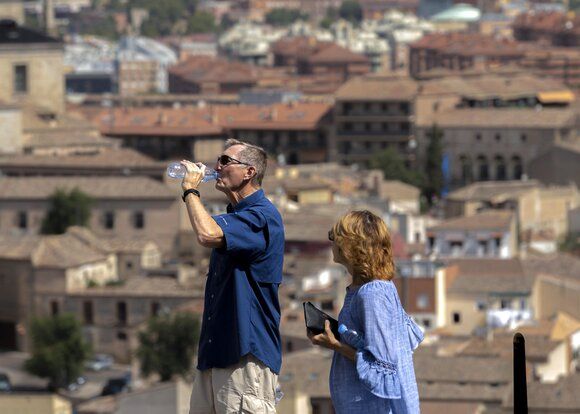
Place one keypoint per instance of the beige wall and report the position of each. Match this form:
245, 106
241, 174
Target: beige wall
161, 219
557, 365
45, 76
553, 294
13, 10
10, 130
555, 207
471, 318
16, 304
34, 404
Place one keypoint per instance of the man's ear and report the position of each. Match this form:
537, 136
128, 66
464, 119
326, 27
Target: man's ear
250, 173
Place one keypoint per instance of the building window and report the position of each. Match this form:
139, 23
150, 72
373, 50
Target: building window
155, 309
121, 313
497, 137
505, 304
22, 220
121, 336
524, 137
53, 307
88, 312
456, 317
480, 305
456, 248
483, 168
478, 137
109, 220
500, 168
517, 167
20, 79
423, 301
482, 247
497, 242
404, 107
139, 220
427, 323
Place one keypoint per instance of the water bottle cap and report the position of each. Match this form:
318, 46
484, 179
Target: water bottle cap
342, 328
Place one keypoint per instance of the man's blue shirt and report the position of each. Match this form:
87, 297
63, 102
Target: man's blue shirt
242, 313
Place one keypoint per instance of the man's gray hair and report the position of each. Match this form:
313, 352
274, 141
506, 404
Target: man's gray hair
252, 155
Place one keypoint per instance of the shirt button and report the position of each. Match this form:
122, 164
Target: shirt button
209, 318
209, 341
211, 296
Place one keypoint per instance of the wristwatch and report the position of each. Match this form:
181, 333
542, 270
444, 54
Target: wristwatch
188, 192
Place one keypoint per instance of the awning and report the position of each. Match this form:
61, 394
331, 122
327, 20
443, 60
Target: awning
556, 97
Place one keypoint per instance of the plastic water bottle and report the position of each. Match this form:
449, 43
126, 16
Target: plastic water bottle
352, 337
176, 170
279, 394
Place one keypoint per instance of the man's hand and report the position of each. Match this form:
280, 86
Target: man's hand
325, 339
193, 176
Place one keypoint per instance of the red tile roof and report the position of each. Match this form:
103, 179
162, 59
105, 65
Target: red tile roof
470, 44
200, 69
211, 120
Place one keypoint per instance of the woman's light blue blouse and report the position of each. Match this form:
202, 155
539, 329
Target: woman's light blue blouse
382, 380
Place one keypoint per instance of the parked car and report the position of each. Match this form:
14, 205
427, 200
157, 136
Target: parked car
117, 385
99, 362
5, 385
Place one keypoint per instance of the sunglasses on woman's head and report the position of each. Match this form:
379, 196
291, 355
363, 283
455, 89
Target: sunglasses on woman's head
330, 235
226, 160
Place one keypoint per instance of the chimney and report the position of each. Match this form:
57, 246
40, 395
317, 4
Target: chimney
49, 22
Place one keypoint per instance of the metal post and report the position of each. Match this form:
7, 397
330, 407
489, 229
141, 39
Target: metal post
520, 385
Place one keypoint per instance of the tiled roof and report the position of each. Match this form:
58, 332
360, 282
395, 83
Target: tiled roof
120, 188
558, 265
521, 118
211, 120
110, 244
470, 44
50, 139
468, 370
337, 54
61, 251
398, 190
447, 407
493, 190
442, 391
486, 220
537, 348
490, 276
307, 371
562, 396
548, 22
107, 158
200, 69
144, 287
374, 88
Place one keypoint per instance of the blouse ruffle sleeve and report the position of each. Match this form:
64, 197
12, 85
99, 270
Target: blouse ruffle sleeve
376, 365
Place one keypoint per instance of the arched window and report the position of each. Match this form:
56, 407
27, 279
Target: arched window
517, 167
482, 168
500, 168
466, 169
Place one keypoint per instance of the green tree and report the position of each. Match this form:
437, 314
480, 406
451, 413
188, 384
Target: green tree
168, 345
433, 168
352, 11
284, 17
575, 5
104, 27
66, 209
201, 22
393, 167
58, 350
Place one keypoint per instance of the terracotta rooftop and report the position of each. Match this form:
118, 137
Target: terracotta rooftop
106, 159
562, 396
118, 188
143, 287
62, 251
487, 220
490, 276
202, 69
307, 371
454, 369
375, 88
398, 191
470, 44
212, 120
493, 190
548, 22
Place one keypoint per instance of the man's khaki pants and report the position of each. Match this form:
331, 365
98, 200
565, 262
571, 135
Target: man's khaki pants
246, 387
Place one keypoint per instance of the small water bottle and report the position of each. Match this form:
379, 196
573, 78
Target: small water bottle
279, 394
351, 337
176, 170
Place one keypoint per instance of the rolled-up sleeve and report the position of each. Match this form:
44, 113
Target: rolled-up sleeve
376, 364
245, 232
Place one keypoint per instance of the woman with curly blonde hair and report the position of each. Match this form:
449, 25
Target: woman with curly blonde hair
375, 375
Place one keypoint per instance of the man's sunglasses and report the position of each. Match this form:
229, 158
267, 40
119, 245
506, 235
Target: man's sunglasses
226, 160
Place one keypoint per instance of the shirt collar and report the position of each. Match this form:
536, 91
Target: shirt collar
247, 202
